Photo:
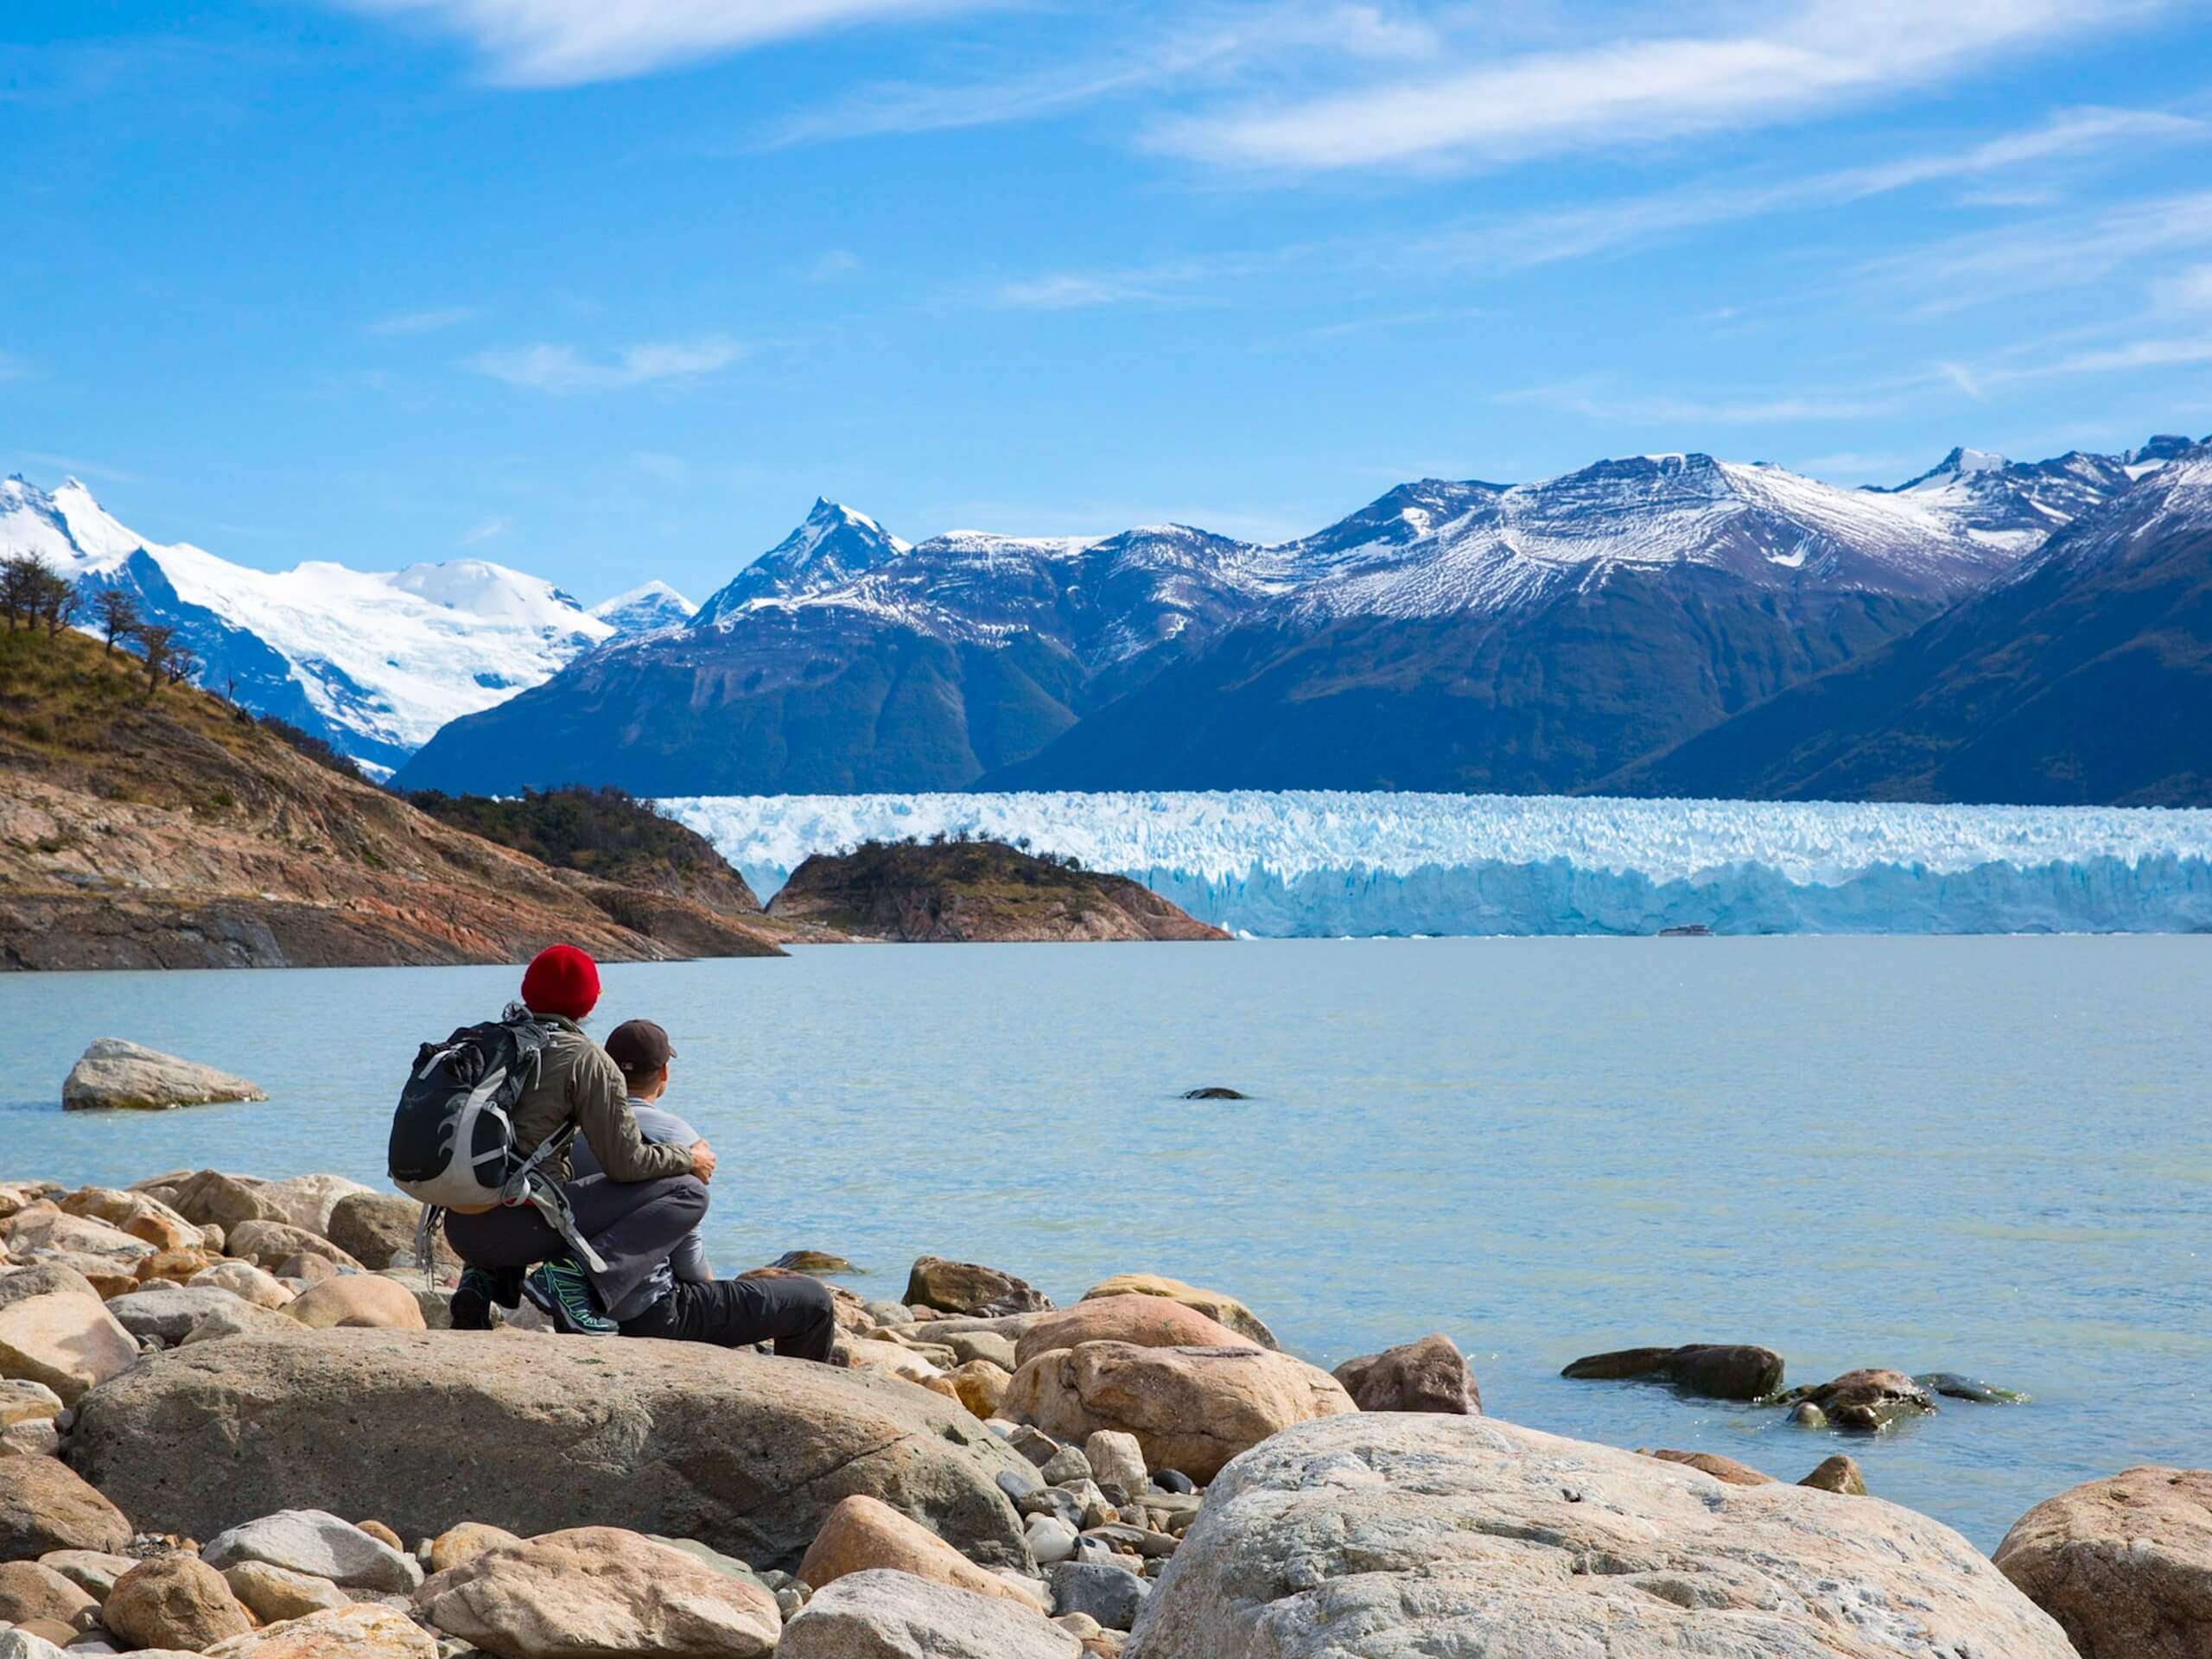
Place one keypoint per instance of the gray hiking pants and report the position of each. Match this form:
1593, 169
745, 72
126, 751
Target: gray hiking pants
633, 1224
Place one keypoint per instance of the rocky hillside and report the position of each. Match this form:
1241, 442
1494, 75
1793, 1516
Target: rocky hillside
601, 832
152, 827
974, 891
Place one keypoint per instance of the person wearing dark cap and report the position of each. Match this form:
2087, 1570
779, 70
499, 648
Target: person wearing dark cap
649, 1194
681, 1300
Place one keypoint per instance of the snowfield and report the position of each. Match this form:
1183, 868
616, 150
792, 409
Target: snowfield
1323, 864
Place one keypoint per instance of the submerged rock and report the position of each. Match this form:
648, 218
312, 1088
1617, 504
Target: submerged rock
113, 1075
1866, 1399
1215, 1091
746, 1453
2125, 1564
1952, 1386
1396, 1537
1713, 1370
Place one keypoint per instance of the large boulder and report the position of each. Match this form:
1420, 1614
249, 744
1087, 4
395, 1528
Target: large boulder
862, 1534
173, 1601
1222, 1308
1146, 1321
45, 1505
54, 1330
360, 1632
1713, 1370
306, 1201
141, 1215
48, 1230
380, 1230
113, 1075
970, 1288
168, 1311
1192, 1409
321, 1544
889, 1615
28, 1591
269, 1245
208, 1197
1430, 1375
1391, 1537
357, 1300
593, 1590
745, 1452
2124, 1565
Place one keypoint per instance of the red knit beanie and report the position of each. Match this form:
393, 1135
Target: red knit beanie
561, 980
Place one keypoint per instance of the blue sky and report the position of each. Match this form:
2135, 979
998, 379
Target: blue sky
606, 290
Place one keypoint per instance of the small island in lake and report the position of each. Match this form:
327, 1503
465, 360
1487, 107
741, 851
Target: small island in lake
955, 890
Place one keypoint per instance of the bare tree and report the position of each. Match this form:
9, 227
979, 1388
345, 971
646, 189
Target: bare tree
158, 641
63, 601
118, 615
22, 587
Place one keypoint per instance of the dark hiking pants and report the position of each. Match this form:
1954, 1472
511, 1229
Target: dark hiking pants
633, 1224
795, 1313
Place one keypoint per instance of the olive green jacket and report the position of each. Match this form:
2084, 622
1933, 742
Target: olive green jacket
578, 1083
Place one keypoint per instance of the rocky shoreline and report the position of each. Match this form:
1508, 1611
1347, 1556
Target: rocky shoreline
232, 1425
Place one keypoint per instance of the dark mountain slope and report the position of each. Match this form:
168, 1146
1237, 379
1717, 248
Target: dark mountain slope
1540, 698
2087, 677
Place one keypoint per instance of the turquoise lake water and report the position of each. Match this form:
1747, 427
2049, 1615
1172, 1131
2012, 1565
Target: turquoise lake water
1986, 1155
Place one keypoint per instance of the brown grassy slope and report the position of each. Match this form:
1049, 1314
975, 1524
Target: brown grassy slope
168, 831
974, 890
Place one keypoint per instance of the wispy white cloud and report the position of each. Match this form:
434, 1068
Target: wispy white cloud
1202, 45
1852, 466
838, 262
423, 323
569, 42
669, 469
1631, 91
1960, 376
1567, 233
561, 369
11, 367
1593, 401
2186, 291
490, 530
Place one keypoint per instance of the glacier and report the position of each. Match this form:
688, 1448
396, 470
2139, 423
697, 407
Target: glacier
1333, 864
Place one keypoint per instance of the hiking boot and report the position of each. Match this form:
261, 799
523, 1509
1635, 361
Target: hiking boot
470, 1307
560, 1291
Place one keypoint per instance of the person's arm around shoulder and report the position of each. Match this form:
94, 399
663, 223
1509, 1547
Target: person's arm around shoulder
601, 1106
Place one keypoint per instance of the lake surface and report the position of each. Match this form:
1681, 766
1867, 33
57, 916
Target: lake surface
1986, 1155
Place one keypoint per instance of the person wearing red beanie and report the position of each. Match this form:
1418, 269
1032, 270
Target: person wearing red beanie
641, 1201
561, 980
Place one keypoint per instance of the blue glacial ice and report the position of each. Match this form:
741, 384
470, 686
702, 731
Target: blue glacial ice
1322, 863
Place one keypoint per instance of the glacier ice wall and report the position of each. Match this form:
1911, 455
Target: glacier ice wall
1326, 863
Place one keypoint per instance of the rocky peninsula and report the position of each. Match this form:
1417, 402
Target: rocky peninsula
232, 1425
963, 891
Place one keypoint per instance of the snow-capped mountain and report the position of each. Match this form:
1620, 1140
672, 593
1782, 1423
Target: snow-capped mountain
373, 662
2013, 505
645, 609
832, 546
2084, 676
1449, 635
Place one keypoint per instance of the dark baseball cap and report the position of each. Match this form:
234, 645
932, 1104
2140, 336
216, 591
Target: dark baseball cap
639, 1047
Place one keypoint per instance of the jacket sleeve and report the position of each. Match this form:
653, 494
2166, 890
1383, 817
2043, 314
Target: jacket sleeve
601, 1108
